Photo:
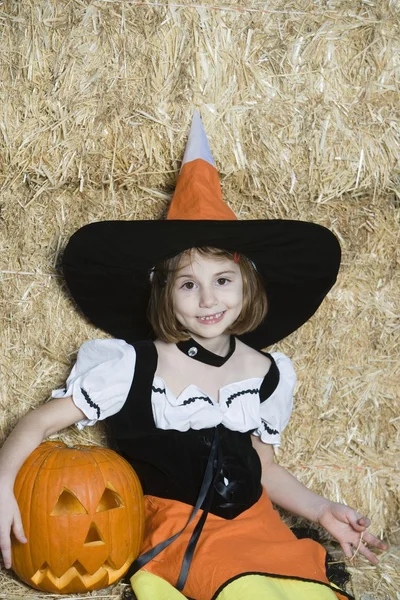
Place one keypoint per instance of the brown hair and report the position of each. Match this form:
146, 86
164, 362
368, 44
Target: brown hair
161, 311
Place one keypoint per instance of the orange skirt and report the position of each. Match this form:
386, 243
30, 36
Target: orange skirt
255, 542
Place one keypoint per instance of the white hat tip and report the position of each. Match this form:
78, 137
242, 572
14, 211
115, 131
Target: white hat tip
197, 145
196, 116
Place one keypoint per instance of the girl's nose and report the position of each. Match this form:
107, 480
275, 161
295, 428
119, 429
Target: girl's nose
207, 298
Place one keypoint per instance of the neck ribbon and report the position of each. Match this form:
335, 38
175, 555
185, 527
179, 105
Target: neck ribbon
194, 350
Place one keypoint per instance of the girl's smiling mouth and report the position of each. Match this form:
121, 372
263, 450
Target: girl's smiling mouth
215, 318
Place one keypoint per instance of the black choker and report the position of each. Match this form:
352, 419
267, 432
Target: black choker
194, 350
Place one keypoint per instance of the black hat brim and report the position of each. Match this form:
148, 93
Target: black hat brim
107, 265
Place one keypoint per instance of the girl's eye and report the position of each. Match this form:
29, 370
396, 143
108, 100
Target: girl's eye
189, 285
222, 281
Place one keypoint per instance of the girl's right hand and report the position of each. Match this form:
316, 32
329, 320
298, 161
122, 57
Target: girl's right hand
10, 519
27, 435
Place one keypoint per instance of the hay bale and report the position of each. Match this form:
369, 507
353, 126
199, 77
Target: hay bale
300, 101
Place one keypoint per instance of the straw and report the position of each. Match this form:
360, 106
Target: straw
301, 104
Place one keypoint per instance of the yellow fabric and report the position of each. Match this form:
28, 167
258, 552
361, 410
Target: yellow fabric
148, 586
261, 587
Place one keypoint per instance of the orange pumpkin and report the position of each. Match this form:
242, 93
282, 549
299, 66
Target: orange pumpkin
83, 514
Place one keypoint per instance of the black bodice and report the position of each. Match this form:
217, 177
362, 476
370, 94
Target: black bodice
171, 463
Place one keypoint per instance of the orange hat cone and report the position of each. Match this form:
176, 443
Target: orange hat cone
198, 193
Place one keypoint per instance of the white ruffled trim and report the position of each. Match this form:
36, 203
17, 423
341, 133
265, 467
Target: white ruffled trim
101, 379
238, 409
275, 411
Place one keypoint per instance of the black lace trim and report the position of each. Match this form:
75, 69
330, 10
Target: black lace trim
90, 402
269, 429
233, 396
185, 402
194, 398
158, 390
206, 399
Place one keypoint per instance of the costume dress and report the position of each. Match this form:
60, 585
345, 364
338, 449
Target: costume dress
244, 551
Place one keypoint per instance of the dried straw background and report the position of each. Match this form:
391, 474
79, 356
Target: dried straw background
301, 102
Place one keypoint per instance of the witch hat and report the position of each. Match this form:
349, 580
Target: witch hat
107, 264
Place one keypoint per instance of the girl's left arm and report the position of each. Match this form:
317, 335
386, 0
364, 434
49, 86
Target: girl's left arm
341, 521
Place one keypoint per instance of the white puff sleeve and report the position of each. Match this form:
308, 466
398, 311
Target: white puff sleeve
275, 411
101, 379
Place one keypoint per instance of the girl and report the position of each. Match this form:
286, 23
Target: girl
212, 291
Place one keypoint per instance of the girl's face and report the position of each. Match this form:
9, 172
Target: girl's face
207, 294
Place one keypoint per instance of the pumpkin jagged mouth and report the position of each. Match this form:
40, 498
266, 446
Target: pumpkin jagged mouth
77, 571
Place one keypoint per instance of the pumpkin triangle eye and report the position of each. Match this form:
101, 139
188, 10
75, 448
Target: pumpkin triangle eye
68, 504
110, 499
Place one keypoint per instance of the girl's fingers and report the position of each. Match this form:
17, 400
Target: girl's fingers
6, 552
360, 546
366, 552
347, 549
18, 530
358, 527
5, 541
358, 523
370, 539
7, 559
364, 522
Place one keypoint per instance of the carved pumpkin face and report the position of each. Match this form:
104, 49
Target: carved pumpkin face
83, 514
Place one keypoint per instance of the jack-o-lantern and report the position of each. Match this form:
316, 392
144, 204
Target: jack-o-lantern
83, 514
